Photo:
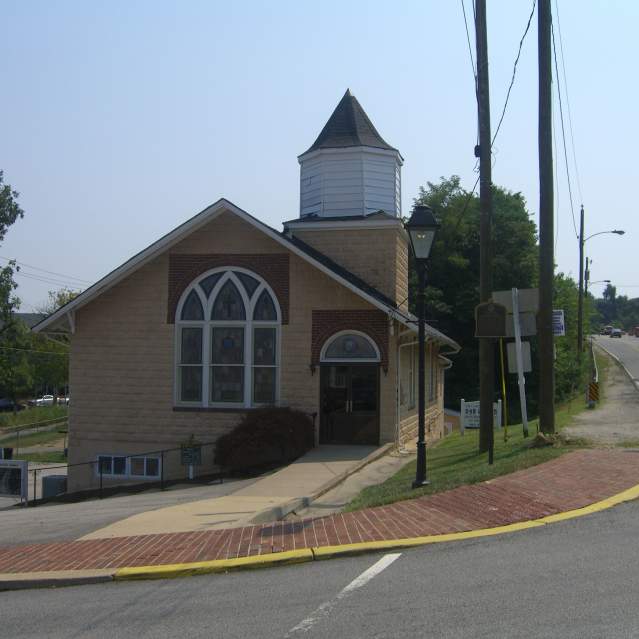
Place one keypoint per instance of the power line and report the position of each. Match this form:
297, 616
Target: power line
470, 48
512, 80
563, 134
572, 137
557, 207
503, 112
47, 280
37, 268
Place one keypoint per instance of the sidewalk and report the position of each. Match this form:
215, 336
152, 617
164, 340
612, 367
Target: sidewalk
269, 498
570, 482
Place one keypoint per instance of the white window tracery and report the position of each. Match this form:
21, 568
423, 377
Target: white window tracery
227, 341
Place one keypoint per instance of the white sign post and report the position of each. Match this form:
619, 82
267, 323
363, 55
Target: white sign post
520, 362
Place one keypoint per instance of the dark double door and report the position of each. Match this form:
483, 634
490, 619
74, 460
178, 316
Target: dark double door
349, 399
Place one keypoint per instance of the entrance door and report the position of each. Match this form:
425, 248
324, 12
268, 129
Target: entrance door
349, 404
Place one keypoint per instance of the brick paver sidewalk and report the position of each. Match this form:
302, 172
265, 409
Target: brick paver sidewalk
571, 481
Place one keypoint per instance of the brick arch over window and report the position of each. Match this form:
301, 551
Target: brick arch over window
373, 323
184, 268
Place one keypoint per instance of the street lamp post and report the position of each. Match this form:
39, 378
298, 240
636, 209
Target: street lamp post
421, 228
580, 299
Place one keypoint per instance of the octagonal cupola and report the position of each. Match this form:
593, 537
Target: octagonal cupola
350, 170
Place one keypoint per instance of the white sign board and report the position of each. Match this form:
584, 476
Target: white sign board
470, 415
528, 300
527, 325
558, 323
13, 478
511, 348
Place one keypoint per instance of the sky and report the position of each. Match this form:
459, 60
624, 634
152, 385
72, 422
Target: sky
120, 120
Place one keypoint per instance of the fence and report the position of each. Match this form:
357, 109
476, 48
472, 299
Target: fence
14, 434
111, 473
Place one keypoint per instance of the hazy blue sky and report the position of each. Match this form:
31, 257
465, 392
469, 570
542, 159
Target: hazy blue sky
122, 119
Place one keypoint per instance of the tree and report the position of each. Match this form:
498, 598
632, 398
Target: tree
453, 280
10, 211
56, 299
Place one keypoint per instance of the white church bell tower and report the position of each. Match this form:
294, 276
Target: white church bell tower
349, 171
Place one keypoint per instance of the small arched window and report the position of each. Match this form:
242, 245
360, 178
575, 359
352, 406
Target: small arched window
350, 346
227, 341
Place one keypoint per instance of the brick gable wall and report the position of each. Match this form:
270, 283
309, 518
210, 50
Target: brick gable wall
184, 268
373, 323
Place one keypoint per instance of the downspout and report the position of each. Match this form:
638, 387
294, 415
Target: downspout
400, 449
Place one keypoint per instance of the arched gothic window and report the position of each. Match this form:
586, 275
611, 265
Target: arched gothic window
227, 326
350, 346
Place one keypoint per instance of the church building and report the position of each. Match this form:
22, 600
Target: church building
224, 314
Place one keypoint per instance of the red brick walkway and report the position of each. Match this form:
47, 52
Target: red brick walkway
571, 481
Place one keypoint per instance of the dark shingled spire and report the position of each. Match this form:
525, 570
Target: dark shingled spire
349, 126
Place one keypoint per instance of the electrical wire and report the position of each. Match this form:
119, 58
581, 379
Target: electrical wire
557, 206
47, 280
470, 48
505, 107
37, 268
572, 137
512, 79
563, 135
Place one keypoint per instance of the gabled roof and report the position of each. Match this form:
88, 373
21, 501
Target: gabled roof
303, 250
349, 126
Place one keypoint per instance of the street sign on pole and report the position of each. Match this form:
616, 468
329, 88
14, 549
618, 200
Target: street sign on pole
558, 323
528, 300
512, 357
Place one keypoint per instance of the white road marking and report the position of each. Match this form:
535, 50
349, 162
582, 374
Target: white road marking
324, 609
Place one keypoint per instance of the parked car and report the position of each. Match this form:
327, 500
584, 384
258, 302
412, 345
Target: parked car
8, 405
45, 400
62, 401
616, 332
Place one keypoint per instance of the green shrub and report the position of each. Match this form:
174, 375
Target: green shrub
265, 438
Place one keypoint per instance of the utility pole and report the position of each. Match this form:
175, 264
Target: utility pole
486, 347
546, 231
580, 301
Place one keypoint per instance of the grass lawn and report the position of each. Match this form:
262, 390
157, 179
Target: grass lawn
53, 457
10, 421
454, 461
32, 439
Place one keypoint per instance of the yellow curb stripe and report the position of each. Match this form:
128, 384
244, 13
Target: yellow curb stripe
169, 571
325, 552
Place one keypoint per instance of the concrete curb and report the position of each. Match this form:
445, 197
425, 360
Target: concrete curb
54, 579
633, 380
275, 513
171, 571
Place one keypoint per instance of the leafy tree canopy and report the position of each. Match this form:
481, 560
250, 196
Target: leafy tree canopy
10, 211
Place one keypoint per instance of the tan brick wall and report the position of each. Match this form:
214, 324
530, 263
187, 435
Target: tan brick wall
122, 355
378, 256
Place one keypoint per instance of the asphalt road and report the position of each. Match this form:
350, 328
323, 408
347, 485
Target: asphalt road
578, 579
626, 348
